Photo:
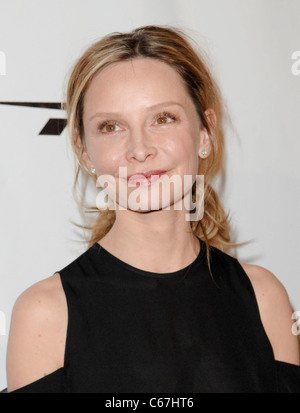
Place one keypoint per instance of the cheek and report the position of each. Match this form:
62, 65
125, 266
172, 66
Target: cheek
105, 158
184, 152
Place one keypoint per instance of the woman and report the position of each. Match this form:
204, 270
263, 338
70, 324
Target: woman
155, 304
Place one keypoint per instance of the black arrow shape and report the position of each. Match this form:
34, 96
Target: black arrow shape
53, 126
44, 105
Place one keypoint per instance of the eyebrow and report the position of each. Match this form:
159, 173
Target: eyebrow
148, 109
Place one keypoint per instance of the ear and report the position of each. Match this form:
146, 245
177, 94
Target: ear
205, 144
211, 118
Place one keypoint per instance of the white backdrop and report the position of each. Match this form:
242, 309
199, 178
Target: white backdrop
250, 44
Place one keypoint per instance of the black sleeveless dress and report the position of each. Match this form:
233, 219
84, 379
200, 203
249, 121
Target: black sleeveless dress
134, 331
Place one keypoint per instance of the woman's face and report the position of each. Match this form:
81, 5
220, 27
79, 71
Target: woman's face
139, 115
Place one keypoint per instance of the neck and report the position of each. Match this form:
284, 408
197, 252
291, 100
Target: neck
157, 241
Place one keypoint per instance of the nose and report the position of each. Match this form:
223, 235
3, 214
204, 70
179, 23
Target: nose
140, 146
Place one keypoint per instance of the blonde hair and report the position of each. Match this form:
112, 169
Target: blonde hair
169, 45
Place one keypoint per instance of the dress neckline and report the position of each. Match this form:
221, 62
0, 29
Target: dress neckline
99, 249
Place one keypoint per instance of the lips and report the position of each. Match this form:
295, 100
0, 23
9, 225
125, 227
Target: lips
148, 175
145, 178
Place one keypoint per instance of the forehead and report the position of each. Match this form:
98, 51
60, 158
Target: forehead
140, 81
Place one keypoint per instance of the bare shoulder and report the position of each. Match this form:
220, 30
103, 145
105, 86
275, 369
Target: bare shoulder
265, 283
276, 313
42, 295
37, 333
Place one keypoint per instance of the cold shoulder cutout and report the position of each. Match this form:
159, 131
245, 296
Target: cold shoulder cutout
189, 331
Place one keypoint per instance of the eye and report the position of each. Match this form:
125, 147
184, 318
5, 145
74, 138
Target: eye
165, 118
108, 127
